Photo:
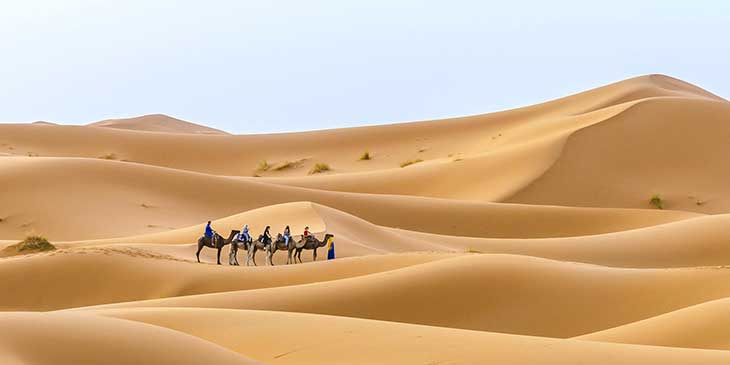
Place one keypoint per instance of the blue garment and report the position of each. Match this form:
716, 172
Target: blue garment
331, 251
208, 231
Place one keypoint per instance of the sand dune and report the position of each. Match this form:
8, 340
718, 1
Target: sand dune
157, 123
677, 154
340, 340
524, 237
510, 148
500, 293
116, 199
701, 326
73, 338
694, 242
89, 276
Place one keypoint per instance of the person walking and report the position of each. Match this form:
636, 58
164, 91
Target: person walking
330, 248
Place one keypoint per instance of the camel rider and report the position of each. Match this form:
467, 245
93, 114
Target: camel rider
306, 235
209, 232
287, 236
266, 236
244, 236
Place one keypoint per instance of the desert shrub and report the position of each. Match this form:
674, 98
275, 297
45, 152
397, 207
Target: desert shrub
657, 201
35, 243
109, 156
263, 166
365, 156
288, 165
319, 167
410, 162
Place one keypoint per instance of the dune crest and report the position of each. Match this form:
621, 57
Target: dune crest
157, 123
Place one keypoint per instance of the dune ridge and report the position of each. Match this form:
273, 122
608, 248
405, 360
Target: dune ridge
156, 123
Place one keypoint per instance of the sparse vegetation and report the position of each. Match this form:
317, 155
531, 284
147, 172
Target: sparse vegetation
319, 168
657, 201
424, 149
410, 162
289, 165
471, 250
144, 205
365, 156
109, 156
30, 244
458, 159
263, 166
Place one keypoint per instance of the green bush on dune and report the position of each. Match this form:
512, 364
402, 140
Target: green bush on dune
657, 201
30, 244
319, 167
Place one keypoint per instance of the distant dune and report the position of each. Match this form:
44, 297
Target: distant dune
157, 123
587, 229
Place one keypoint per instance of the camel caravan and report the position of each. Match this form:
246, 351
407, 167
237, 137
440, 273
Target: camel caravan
283, 242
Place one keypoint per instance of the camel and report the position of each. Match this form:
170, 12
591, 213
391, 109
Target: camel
310, 244
259, 244
235, 246
280, 244
218, 242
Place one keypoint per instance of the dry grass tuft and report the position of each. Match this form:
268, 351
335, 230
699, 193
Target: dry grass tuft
410, 162
365, 156
289, 165
31, 244
263, 166
657, 201
319, 168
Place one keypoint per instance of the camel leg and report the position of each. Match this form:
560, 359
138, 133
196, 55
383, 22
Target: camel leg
253, 255
299, 255
315, 254
219, 256
197, 254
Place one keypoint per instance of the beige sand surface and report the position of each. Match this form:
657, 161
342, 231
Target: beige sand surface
337, 340
519, 237
701, 326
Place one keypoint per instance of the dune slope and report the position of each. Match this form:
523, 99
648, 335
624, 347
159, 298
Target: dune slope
340, 340
500, 293
701, 326
75, 338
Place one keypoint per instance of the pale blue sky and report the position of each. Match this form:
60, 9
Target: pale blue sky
250, 66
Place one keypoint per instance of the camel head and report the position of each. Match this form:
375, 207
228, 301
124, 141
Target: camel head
233, 234
324, 240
